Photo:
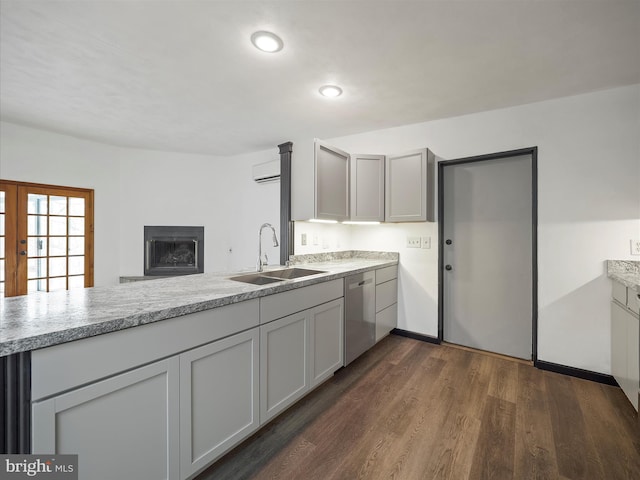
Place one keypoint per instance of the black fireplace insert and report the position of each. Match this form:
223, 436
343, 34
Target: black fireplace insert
173, 250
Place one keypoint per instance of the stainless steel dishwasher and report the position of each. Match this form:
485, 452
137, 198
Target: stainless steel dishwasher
360, 315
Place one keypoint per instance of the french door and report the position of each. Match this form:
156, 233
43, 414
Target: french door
46, 238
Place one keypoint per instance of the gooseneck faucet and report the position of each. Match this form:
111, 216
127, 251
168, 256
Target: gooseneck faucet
260, 263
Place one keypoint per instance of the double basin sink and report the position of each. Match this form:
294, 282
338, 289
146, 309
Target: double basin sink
273, 276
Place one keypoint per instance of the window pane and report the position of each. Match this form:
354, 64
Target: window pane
37, 268
37, 225
1, 247
1, 289
37, 286
37, 247
1, 223
57, 205
57, 246
57, 266
76, 245
76, 226
2, 207
76, 282
57, 225
37, 204
76, 265
1, 270
76, 206
57, 284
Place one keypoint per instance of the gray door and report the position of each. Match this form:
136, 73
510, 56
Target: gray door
488, 251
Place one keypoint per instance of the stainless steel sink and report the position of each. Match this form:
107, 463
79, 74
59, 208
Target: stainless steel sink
273, 276
255, 279
290, 273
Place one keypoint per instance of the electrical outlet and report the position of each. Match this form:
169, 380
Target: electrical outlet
426, 242
413, 242
635, 246
303, 239
315, 240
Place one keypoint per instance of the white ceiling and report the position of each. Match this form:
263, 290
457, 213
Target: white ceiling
183, 75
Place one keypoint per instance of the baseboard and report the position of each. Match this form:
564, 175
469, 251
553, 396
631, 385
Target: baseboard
576, 372
415, 336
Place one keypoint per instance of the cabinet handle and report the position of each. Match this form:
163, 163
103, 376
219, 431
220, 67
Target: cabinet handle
23, 252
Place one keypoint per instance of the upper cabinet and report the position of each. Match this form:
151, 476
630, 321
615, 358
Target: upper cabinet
409, 187
332, 183
367, 188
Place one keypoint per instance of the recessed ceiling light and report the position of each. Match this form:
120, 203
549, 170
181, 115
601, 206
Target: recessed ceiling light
330, 91
267, 41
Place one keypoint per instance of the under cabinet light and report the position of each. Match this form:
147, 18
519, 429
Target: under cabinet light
267, 41
355, 222
320, 220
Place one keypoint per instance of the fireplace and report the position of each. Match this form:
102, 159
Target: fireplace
173, 250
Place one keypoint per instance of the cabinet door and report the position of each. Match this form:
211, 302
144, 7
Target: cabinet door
327, 340
218, 398
633, 357
122, 427
284, 371
367, 188
618, 344
331, 183
406, 187
386, 320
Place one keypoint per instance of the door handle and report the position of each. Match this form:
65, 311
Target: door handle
448, 267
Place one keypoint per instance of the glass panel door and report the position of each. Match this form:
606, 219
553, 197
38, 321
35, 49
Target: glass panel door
53, 233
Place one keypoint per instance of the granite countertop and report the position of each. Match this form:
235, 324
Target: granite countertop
626, 272
41, 320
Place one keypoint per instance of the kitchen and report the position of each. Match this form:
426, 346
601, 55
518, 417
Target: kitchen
588, 203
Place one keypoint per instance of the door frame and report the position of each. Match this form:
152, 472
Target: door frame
533, 151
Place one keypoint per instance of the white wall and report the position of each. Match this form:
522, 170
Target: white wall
588, 207
136, 187
32, 155
164, 188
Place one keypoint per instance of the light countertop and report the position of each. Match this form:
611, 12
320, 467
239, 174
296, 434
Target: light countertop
626, 272
41, 320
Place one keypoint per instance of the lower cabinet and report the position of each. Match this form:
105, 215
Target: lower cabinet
625, 351
297, 353
284, 357
123, 427
327, 340
218, 398
386, 301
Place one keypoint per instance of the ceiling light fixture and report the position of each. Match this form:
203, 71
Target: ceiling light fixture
267, 41
331, 91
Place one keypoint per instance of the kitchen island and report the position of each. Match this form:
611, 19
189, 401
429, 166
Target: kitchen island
179, 369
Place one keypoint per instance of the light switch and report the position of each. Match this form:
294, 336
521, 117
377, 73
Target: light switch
303, 239
413, 242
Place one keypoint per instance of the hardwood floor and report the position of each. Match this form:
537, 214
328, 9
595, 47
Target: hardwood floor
412, 410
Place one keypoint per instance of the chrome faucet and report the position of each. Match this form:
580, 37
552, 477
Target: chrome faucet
260, 263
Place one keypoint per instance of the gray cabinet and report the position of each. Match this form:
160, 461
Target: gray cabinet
386, 301
367, 188
409, 187
137, 417
219, 393
331, 183
625, 341
297, 353
284, 370
326, 340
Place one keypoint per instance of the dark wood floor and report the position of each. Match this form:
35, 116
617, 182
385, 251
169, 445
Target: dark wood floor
413, 410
